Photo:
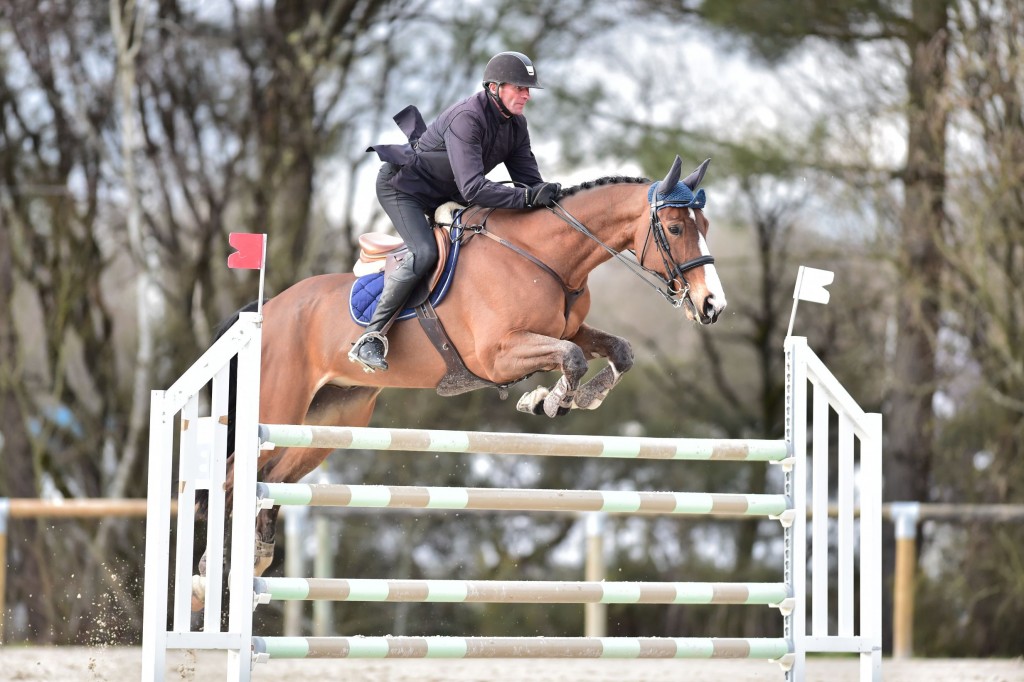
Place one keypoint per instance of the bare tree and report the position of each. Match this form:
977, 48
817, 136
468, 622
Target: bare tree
981, 420
63, 324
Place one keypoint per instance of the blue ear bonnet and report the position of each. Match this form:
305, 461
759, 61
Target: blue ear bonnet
681, 195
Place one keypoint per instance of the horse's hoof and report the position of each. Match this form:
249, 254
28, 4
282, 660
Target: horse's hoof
558, 402
533, 402
198, 592
536, 409
556, 410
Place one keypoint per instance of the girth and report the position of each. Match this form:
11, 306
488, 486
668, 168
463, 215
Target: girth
457, 378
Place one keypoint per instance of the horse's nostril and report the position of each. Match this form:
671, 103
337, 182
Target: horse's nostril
711, 311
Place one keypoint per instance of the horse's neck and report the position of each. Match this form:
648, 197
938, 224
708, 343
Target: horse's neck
609, 213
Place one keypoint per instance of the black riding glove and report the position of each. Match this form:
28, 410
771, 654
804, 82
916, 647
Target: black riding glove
543, 194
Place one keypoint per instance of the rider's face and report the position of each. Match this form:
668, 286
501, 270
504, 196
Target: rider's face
514, 97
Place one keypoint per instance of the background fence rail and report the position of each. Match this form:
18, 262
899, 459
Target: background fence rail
903, 587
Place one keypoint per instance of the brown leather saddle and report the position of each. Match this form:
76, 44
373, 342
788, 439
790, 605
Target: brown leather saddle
381, 252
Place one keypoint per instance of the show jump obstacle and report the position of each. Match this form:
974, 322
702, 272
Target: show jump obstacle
842, 629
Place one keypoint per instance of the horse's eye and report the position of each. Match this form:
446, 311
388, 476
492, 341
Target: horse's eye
675, 229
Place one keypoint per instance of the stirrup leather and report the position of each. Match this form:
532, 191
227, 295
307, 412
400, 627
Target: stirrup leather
354, 356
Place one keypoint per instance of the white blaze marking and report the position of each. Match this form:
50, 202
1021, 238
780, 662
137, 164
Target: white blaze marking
714, 285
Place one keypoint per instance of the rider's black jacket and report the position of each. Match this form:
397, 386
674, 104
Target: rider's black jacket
449, 159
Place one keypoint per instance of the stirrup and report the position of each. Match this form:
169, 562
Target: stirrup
353, 354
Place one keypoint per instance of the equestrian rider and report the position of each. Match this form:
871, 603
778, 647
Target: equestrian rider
448, 161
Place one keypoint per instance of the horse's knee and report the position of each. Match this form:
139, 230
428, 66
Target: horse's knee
574, 364
621, 355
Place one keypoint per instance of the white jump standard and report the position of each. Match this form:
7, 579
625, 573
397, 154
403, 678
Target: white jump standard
856, 626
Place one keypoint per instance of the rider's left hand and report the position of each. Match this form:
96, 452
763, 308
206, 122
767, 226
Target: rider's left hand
543, 194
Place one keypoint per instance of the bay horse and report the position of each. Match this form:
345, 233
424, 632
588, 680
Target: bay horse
517, 306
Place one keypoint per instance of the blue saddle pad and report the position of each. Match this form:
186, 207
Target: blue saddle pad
362, 301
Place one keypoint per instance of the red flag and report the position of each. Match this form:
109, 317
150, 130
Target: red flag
249, 250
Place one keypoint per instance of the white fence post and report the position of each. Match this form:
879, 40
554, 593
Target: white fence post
182, 398
795, 535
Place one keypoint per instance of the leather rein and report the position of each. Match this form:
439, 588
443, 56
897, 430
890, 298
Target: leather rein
676, 287
571, 295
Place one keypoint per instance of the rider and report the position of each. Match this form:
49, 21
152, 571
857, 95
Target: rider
448, 161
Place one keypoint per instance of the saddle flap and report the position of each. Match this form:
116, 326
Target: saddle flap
374, 249
377, 249
426, 286
444, 245
370, 280
376, 243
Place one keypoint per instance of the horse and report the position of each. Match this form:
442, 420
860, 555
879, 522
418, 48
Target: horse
516, 306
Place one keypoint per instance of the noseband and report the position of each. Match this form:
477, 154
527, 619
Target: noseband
677, 288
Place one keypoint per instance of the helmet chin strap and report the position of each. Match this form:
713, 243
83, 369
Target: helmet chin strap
497, 100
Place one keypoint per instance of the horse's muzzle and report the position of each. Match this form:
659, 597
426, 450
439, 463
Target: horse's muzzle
707, 313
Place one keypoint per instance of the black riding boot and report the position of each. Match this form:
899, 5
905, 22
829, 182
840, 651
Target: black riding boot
369, 350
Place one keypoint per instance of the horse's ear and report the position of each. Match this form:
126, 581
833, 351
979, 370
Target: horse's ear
694, 178
672, 179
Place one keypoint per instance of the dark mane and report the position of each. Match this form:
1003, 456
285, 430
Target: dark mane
608, 180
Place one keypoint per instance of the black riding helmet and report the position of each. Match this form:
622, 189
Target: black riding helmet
514, 68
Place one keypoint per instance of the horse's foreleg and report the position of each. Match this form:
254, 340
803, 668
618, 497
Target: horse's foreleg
597, 343
560, 399
534, 353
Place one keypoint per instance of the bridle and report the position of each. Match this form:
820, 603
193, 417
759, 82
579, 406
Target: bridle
677, 288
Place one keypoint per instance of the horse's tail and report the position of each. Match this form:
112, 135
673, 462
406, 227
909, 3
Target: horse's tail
202, 498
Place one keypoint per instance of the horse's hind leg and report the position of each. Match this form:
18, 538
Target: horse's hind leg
332, 406
263, 552
266, 522
286, 465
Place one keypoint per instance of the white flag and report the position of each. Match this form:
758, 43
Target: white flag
811, 283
